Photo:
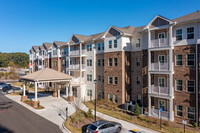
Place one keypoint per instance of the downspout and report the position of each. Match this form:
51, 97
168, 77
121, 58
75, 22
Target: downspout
197, 76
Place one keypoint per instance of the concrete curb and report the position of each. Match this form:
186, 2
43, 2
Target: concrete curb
63, 126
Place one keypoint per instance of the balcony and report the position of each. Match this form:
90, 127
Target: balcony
77, 52
76, 67
159, 67
159, 43
159, 90
156, 113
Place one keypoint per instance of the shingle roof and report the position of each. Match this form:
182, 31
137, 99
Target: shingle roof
46, 74
60, 44
81, 37
42, 47
127, 30
35, 48
47, 45
191, 16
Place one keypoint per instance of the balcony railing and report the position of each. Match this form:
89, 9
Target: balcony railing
159, 66
76, 66
77, 52
159, 90
157, 43
156, 113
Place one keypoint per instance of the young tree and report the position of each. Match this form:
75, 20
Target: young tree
137, 110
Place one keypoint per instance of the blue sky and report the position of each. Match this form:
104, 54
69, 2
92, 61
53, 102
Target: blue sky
24, 23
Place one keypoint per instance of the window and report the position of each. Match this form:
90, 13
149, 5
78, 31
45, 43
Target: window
115, 98
99, 62
55, 52
99, 94
65, 51
89, 77
99, 78
162, 104
89, 62
137, 62
102, 78
179, 110
110, 44
89, 93
115, 61
115, 80
138, 43
190, 112
109, 79
178, 34
110, 97
110, 62
179, 85
190, 33
161, 81
102, 62
115, 43
89, 47
102, 45
179, 61
190, 85
161, 58
99, 46
190, 59
137, 80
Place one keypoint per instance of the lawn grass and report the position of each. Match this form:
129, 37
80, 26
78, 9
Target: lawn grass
126, 117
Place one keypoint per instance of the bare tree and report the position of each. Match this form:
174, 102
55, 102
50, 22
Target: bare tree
77, 103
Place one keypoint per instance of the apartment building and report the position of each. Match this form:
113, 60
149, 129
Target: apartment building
156, 65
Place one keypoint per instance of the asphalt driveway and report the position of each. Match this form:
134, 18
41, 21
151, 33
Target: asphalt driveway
14, 118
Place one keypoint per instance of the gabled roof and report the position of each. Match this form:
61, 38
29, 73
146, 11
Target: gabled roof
158, 16
60, 44
35, 48
46, 74
95, 37
47, 45
42, 47
76, 38
126, 30
191, 16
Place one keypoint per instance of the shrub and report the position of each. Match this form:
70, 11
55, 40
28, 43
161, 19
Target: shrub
89, 114
137, 110
73, 119
31, 85
166, 124
38, 104
195, 125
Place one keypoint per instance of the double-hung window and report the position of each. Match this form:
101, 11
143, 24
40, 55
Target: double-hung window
138, 43
110, 79
110, 62
89, 77
99, 46
179, 85
115, 80
178, 34
110, 97
89, 93
190, 86
110, 44
179, 110
99, 62
115, 43
190, 60
102, 45
137, 61
190, 33
102, 62
179, 59
115, 61
89, 47
99, 78
190, 112
115, 98
89, 62
137, 80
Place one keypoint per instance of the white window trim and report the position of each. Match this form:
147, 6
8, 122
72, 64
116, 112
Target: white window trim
109, 81
177, 110
187, 86
139, 43
114, 80
109, 63
164, 103
176, 86
181, 34
164, 81
161, 33
187, 113
187, 60
159, 60
190, 33
175, 60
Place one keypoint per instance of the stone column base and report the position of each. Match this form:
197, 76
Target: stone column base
55, 94
35, 104
70, 98
23, 98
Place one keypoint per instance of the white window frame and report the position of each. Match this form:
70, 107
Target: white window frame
110, 45
109, 61
190, 59
115, 62
159, 81
178, 60
187, 86
179, 34
190, 33
176, 85
99, 46
115, 80
191, 113
159, 58
179, 111
115, 43
109, 79
165, 105
89, 77
138, 44
99, 63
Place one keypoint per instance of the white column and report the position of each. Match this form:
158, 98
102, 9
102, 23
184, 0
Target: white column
35, 91
24, 90
66, 91
68, 58
149, 105
70, 93
149, 38
170, 36
149, 60
171, 112
80, 62
58, 92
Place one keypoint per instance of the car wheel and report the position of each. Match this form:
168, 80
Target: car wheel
118, 130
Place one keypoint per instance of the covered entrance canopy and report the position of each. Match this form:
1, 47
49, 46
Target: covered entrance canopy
46, 75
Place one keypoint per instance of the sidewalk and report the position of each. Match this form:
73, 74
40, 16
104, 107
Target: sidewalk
125, 124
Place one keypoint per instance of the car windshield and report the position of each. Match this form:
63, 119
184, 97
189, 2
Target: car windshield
92, 127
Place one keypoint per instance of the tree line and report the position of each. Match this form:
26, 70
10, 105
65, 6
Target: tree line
18, 59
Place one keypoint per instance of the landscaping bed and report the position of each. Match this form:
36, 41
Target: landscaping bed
111, 109
78, 122
30, 103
